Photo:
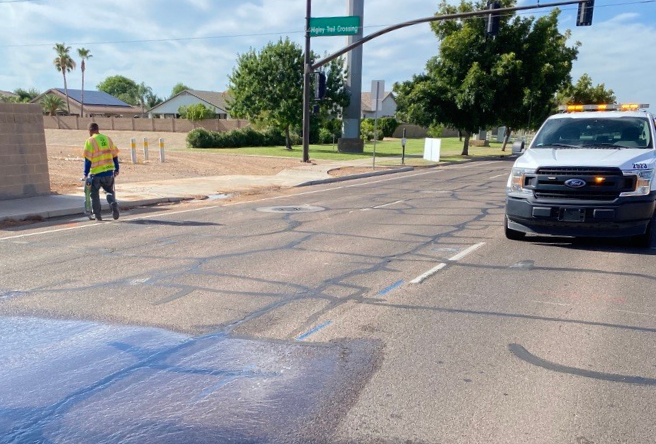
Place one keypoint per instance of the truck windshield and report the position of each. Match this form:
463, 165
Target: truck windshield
595, 132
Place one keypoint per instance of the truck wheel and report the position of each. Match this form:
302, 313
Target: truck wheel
646, 240
512, 234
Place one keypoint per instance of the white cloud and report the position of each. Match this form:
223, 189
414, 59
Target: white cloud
619, 54
617, 50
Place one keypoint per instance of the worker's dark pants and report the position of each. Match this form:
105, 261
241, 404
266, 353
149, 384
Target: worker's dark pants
107, 184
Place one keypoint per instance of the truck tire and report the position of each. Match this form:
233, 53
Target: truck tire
646, 240
512, 234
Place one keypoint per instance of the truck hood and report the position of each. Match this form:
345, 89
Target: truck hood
624, 158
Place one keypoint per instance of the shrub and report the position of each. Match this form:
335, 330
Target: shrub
200, 138
435, 131
367, 130
245, 137
387, 125
325, 136
273, 137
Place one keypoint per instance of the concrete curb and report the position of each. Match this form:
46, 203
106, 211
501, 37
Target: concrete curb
355, 176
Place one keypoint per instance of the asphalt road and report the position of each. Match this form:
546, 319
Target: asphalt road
382, 310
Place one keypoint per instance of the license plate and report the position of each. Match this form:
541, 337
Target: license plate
572, 215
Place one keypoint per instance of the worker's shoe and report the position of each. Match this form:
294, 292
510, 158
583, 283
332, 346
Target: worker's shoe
98, 217
115, 212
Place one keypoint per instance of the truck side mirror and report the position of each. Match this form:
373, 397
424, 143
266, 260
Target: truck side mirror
518, 147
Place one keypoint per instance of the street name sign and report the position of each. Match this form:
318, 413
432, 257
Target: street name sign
332, 26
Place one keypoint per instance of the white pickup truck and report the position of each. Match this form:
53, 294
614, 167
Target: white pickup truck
588, 172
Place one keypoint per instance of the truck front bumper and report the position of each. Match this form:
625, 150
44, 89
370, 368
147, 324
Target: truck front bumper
622, 217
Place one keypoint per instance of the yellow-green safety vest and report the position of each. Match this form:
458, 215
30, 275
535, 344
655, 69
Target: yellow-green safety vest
100, 151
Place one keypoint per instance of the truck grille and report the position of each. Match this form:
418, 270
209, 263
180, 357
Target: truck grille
601, 184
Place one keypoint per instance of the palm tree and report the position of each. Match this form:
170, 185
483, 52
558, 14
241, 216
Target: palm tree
143, 92
25, 95
84, 55
51, 104
64, 63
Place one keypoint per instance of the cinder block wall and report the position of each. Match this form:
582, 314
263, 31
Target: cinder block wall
23, 155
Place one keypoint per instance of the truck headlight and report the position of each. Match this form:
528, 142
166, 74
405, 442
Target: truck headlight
517, 180
643, 182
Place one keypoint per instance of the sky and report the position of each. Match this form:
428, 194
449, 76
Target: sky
197, 42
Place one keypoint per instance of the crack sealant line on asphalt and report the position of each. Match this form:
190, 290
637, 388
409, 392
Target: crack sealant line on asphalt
421, 278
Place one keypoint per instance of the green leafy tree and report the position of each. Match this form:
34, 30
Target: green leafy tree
584, 93
84, 54
266, 87
52, 104
64, 63
477, 81
337, 97
327, 122
122, 88
178, 88
535, 63
25, 95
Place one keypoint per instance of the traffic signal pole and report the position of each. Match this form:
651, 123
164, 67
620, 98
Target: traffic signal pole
588, 6
307, 72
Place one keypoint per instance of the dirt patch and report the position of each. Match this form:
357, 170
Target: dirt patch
66, 164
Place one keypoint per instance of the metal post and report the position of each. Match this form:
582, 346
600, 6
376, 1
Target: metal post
161, 150
375, 119
403, 142
145, 148
133, 150
306, 85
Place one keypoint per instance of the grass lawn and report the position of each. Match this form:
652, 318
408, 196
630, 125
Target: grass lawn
388, 152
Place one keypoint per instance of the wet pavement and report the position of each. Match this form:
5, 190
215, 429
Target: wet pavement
74, 382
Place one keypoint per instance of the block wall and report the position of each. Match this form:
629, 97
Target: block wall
147, 124
23, 155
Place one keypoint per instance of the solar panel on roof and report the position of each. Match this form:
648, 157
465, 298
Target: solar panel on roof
97, 98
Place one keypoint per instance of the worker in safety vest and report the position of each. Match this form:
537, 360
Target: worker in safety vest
100, 168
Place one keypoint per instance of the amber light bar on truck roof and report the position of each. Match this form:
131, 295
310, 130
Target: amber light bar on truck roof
604, 107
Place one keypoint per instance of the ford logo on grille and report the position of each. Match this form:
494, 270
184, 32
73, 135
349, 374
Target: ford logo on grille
575, 183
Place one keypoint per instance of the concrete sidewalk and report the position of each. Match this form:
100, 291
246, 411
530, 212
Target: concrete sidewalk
150, 193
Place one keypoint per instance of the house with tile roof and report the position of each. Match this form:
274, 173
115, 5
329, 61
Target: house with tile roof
211, 99
388, 108
96, 103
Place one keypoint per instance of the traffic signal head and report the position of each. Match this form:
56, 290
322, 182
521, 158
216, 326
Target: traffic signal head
492, 21
584, 16
320, 85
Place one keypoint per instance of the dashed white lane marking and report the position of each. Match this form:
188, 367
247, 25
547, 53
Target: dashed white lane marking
498, 175
552, 303
421, 278
429, 273
388, 204
464, 253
